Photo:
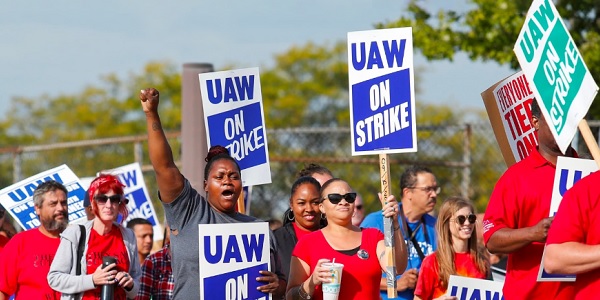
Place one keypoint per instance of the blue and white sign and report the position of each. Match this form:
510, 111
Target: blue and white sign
233, 114
382, 102
568, 171
17, 199
473, 288
230, 258
140, 203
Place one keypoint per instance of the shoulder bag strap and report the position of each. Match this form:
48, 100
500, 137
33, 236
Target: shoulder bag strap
80, 249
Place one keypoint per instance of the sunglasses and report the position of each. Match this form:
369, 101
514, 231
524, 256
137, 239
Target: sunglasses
462, 219
336, 198
2, 213
115, 199
359, 207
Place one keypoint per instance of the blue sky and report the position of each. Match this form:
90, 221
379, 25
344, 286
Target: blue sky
54, 47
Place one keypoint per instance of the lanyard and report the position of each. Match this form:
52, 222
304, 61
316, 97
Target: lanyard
410, 234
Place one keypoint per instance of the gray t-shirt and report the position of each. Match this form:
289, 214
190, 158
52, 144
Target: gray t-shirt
183, 215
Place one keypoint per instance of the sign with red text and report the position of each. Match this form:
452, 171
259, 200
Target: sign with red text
569, 170
233, 115
508, 104
560, 80
382, 102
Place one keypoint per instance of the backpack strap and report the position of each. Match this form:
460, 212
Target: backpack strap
80, 250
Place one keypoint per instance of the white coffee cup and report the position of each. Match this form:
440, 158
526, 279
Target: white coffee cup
331, 290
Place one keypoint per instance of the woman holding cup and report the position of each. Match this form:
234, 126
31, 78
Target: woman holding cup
360, 252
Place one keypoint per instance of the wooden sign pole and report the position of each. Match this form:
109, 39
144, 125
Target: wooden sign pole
240, 203
388, 227
590, 141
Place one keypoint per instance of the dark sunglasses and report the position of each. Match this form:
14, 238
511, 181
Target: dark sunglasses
102, 199
461, 219
359, 207
336, 198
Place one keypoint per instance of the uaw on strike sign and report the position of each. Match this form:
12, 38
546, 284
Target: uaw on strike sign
230, 258
382, 104
555, 70
233, 115
18, 198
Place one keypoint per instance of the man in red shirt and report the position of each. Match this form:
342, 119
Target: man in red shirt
574, 240
516, 221
26, 259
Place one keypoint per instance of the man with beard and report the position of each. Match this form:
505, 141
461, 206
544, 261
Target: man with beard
419, 193
26, 259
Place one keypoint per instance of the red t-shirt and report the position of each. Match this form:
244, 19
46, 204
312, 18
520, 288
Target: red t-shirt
3, 241
300, 233
110, 244
360, 277
521, 198
24, 265
429, 285
577, 221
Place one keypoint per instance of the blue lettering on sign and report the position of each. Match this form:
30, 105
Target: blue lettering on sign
25, 212
393, 51
238, 88
139, 206
252, 245
382, 113
238, 285
26, 191
562, 184
241, 132
129, 178
475, 294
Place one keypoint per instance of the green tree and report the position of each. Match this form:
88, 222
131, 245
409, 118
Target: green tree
306, 87
488, 30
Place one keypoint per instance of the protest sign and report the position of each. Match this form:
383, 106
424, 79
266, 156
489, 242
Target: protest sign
465, 288
233, 114
17, 199
140, 203
508, 105
382, 108
568, 171
556, 71
230, 258
382, 102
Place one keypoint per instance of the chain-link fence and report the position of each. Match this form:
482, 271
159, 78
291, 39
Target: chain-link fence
465, 159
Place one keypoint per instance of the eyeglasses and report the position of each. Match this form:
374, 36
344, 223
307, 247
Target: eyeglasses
461, 219
428, 189
115, 199
336, 198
